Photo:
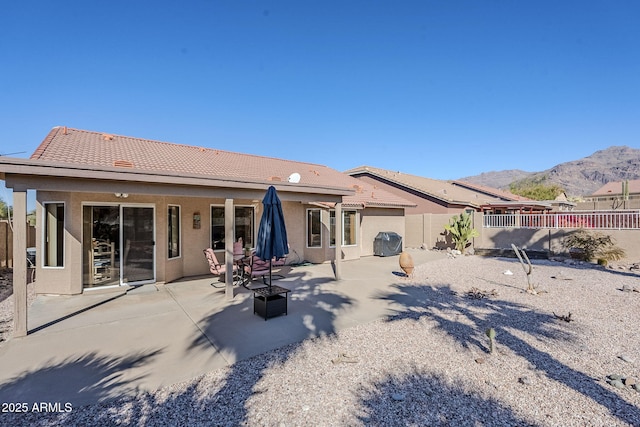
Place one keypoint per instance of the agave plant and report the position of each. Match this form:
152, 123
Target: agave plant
461, 230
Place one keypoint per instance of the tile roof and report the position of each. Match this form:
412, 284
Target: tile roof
502, 194
81, 147
448, 191
615, 188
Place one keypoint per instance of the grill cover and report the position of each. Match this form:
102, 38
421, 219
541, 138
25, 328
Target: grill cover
387, 243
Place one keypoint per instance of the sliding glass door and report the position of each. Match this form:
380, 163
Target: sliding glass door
138, 245
118, 245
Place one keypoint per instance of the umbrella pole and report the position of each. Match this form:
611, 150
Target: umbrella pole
269, 275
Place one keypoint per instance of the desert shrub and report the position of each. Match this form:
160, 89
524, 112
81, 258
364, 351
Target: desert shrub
594, 244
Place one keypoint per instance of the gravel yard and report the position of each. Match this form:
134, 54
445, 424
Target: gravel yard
428, 364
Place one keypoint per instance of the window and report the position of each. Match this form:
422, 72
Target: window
173, 232
244, 225
53, 234
314, 229
348, 228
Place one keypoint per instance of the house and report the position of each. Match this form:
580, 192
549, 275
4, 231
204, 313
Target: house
115, 210
443, 197
612, 196
437, 201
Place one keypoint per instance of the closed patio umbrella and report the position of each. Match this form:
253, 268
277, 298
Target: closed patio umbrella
272, 233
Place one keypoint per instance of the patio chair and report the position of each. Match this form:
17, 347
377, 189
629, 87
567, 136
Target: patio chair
215, 267
238, 249
259, 268
278, 263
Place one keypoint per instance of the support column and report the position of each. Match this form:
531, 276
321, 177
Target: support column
20, 262
229, 219
338, 268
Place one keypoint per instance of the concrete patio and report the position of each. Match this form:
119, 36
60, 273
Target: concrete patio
103, 345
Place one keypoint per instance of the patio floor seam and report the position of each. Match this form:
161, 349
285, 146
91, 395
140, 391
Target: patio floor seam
197, 326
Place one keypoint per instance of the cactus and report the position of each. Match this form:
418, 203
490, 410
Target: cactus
527, 269
491, 333
461, 230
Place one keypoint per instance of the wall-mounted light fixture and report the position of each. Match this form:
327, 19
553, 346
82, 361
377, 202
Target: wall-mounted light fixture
121, 195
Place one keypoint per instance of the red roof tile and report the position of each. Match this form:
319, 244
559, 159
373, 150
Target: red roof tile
449, 191
74, 146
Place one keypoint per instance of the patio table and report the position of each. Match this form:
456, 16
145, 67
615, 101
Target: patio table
270, 301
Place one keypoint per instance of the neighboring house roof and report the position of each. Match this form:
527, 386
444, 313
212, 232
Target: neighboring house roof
67, 146
614, 188
490, 191
513, 204
451, 192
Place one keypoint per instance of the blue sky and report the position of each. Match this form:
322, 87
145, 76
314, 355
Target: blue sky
443, 89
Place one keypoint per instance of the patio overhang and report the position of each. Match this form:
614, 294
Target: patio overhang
529, 205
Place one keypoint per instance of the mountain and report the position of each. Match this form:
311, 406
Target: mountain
578, 177
500, 179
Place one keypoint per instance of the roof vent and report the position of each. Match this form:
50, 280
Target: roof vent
275, 178
122, 164
107, 137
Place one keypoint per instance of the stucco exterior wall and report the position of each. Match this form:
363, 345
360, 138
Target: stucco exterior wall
632, 203
294, 220
375, 220
65, 280
428, 229
552, 239
431, 229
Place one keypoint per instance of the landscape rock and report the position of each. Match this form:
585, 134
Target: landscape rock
626, 358
617, 383
524, 380
561, 276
